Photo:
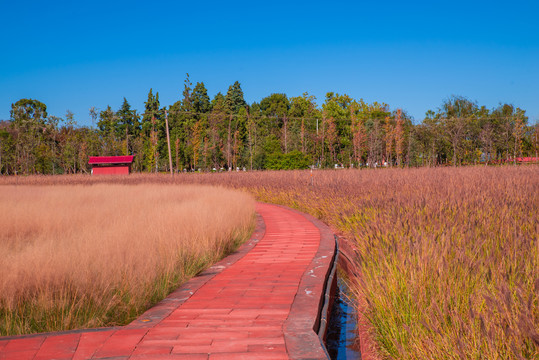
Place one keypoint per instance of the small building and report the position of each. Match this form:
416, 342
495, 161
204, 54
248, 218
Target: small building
527, 160
111, 165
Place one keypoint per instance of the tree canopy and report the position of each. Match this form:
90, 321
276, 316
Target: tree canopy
277, 132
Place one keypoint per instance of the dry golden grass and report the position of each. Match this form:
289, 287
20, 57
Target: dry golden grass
87, 256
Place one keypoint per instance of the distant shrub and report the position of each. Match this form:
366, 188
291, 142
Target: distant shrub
293, 160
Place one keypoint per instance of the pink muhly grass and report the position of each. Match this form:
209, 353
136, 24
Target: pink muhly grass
84, 256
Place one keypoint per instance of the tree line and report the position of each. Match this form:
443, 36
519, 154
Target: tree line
279, 132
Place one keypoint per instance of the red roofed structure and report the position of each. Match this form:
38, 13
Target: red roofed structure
111, 165
529, 160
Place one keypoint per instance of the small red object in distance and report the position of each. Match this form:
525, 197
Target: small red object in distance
128, 159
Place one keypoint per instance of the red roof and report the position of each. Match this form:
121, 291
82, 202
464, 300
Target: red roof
527, 159
111, 159
524, 159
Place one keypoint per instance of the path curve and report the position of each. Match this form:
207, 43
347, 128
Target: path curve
262, 302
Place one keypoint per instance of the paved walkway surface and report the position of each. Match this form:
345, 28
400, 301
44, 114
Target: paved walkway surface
240, 308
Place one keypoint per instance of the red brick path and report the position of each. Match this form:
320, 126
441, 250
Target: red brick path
258, 304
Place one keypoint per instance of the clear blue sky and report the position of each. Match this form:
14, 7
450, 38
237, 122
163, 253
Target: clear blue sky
78, 54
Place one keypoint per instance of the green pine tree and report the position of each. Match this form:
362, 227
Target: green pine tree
234, 98
200, 100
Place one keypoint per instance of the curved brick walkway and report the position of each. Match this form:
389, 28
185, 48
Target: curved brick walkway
260, 303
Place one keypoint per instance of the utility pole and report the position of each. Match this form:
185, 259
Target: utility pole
126, 140
168, 143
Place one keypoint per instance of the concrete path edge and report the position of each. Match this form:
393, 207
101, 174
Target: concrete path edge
164, 308
301, 327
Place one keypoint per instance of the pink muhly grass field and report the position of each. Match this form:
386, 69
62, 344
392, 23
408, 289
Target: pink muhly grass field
76, 256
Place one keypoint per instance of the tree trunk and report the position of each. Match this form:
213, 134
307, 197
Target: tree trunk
409, 149
454, 155
228, 142
177, 143
285, 129
303, 135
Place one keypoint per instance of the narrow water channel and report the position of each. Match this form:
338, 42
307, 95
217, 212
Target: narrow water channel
342, 329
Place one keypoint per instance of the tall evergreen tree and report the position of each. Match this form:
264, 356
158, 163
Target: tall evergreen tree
199, 99
186, 104
108, 122
234, 98
127, 118
151, 124
182, 120
152, 115
217, 131
107, 128
128, 125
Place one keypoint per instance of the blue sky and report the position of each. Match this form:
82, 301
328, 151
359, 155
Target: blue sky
412, 55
